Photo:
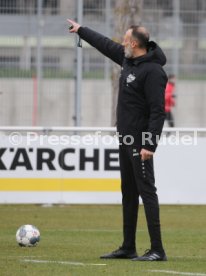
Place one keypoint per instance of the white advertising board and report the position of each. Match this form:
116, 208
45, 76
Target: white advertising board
52, 171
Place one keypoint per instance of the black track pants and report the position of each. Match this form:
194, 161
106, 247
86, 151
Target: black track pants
137, 179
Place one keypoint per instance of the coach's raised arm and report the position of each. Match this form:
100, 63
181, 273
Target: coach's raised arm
106, 46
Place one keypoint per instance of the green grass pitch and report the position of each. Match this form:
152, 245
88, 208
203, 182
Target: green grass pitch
74, 236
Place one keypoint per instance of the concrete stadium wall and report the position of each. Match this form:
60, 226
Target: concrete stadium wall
56, 103
191, 101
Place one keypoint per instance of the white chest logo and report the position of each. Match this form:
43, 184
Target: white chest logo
130, 78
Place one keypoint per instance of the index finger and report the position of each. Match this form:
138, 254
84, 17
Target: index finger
70, 21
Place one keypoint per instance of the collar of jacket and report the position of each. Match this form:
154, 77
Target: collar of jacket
154, 54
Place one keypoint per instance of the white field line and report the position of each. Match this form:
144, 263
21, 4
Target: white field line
60, 262
178, 273
179, 257
188, 257
91, 230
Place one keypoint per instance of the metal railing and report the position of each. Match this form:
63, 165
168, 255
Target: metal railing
90, 129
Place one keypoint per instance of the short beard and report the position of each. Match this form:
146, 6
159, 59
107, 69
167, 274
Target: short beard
128, 52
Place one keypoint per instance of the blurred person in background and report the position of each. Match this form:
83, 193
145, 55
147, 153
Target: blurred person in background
170, 100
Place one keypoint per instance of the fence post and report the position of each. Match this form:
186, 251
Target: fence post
176, 44
108, 34
78, 79
39, 53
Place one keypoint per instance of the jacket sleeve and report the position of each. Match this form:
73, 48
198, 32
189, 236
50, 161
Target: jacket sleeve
155, 98
106, 46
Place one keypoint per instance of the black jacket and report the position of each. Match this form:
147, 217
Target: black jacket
142, 84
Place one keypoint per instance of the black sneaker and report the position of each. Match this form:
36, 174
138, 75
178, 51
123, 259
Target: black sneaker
120, 254
151, 255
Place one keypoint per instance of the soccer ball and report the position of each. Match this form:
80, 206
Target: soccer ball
27, 235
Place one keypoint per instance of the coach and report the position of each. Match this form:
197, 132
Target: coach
140, 115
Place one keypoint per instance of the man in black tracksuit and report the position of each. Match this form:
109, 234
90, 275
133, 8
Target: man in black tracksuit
140, 119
